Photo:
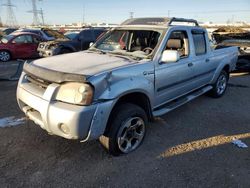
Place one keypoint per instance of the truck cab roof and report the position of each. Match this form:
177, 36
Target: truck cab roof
159, 22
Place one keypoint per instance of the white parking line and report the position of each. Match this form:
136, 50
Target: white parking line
11, 122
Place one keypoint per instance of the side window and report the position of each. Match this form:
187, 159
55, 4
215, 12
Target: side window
97, 33
86, 35
199, 42
23, 39
29, 39
37, 40
178, 41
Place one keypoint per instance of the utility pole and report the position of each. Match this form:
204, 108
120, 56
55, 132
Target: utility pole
83, 14
42, 15
168, 13
233, 16
10, 17
131, 15
36, 13
1, 24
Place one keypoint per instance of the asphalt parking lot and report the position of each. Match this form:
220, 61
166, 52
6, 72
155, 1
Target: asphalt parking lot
189, 147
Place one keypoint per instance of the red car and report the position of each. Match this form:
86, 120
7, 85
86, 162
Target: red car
19, 45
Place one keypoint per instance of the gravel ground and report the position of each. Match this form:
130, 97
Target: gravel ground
188, 147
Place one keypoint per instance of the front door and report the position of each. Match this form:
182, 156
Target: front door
23, 46
174, 79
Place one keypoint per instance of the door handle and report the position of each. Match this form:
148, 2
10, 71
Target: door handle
207, 60
190, 64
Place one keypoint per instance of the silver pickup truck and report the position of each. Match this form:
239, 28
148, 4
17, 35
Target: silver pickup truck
142, 69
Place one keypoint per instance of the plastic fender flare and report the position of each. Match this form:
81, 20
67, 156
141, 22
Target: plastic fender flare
218, 71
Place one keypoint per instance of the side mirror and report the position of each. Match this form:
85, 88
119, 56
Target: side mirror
170, 56
90, 44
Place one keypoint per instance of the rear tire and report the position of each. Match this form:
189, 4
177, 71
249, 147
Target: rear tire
5, 56
127, 130
220, 86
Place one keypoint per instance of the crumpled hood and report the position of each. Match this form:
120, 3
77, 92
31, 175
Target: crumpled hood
83, 63
55, 42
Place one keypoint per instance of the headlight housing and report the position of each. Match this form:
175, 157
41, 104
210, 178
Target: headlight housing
75, 93
53, 47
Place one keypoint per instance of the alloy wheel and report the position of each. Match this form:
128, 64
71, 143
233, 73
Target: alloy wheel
131, 134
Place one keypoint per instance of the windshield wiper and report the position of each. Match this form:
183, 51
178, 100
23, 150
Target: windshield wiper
93, 49
128, 55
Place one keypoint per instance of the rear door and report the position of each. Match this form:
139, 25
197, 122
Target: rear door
204, 64
174, 79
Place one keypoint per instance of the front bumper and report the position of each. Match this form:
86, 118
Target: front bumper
62, 119
46, 53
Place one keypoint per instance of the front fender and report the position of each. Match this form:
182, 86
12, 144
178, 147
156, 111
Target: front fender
128, 86
115, 88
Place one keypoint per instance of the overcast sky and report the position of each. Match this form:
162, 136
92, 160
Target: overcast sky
115, 11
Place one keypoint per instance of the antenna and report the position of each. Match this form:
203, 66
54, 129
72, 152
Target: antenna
10, 17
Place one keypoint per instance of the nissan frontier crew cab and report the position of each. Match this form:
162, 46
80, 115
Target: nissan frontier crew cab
142, 69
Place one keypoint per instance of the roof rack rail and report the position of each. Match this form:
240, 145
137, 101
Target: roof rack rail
183, 20
163, 21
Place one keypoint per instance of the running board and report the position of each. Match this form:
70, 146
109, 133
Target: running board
180, 101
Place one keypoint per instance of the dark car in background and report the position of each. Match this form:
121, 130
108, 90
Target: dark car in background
6, 31
19, 45
74, 41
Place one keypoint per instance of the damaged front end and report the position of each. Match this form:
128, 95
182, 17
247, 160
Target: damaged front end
61, 103
50, 48
51, 75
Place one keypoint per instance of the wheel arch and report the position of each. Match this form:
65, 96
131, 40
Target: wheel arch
226, 67
6, 50
137, 98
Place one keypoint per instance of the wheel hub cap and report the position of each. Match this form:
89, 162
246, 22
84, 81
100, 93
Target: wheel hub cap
4, 56
131, 134
221, 84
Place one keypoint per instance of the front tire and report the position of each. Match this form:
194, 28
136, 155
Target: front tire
127, 130
5, 56
220, 86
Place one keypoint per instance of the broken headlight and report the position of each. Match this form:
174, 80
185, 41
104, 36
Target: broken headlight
75, 93
53, 47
